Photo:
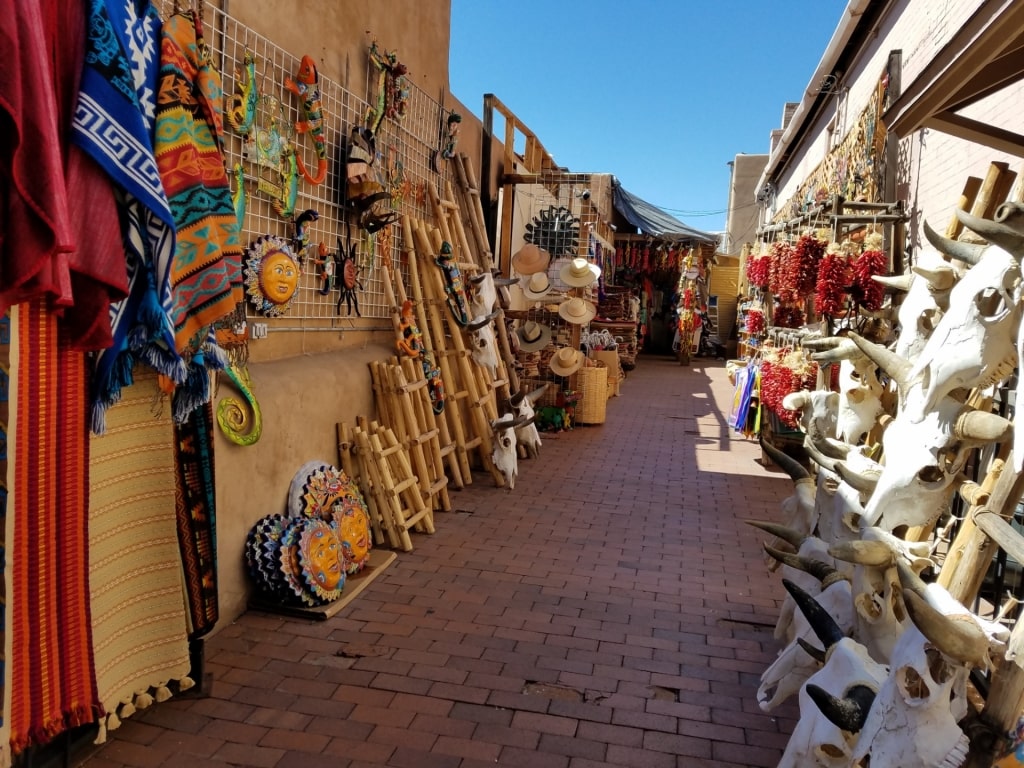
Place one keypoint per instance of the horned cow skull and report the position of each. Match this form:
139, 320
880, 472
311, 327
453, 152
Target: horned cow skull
483, 343
503, 452
974, 343
524, 406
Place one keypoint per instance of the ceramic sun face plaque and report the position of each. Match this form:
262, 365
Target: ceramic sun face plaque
271, 275
352, 522
321, 559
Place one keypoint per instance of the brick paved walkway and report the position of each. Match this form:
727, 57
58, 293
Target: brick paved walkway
611, 611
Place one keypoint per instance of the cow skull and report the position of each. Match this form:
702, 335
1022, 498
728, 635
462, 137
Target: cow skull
846, 670
818, 411
798, 508
923, 461
524, 406
927, 298
503, 452
974, 343
832, 613
483, 343
486, 287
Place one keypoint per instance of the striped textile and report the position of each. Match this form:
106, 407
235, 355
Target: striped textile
196, 515
52, 680
138, 609
5, 416
206, 273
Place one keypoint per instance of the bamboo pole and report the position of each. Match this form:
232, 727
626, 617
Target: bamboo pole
427, 432
432, 329
469, 385
477, 222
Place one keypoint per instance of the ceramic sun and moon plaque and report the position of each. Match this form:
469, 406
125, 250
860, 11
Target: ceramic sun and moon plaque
303, 558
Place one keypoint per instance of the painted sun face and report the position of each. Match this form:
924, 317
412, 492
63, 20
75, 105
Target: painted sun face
354, 533
322, 557
279, 277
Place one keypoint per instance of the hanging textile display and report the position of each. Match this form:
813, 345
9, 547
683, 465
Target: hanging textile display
49, 546
196, 516
115, 111
136, 563
5, 421
206, 270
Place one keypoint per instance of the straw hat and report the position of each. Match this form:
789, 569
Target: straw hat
537, 286
533, 336
579, 273
566, 361
530, 258
577, 311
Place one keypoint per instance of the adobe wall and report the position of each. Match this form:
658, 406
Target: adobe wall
309, 375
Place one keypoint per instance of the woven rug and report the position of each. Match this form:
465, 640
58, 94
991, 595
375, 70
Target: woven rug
139, 620
53, 687
197, 517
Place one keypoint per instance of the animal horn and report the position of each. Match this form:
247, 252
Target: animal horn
815, 653
477, 279
819, 458
478, 323
910, 581
940, 278
895, 366
876, 554
823, 343
844, 350
969, 253
1006, 230
831, 447
982, 427
894, 282
788, 535
791, 466
823, 572
860, 481
825, 627
959, 638
849, 712
796, 401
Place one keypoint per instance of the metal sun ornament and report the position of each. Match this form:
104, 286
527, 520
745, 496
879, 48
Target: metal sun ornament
555, 230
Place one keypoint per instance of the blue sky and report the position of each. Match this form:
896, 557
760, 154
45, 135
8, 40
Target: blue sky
661, 93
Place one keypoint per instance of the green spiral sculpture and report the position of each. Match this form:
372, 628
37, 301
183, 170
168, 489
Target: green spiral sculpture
233, 417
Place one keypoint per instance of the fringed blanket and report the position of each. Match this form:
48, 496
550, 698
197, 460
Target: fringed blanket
114, 125
139, 621
206, 272
52, 677
197, 518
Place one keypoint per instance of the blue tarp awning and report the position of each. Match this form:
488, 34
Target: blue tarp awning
653, 221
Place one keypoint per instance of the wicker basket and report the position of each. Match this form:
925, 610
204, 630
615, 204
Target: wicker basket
592, 383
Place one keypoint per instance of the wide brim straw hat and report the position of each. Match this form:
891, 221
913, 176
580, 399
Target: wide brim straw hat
579, 273
577, 311
566, 361
533, 336
536, 286
530, 258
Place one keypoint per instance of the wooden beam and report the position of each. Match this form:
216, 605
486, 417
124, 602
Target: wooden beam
977, 132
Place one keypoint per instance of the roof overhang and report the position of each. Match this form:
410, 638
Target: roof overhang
653, 221
984, 56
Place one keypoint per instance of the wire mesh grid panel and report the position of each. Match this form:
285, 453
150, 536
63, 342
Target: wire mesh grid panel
305, 202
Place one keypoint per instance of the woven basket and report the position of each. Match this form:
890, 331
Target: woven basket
592, 384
